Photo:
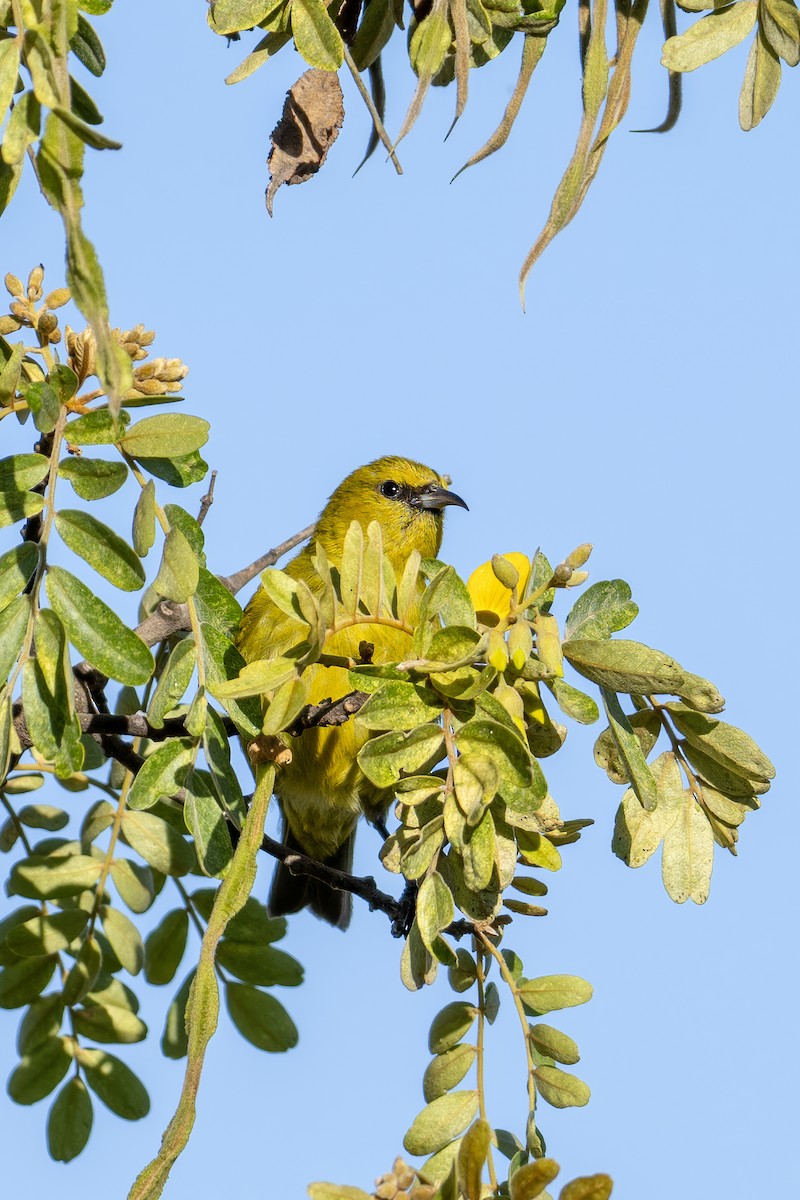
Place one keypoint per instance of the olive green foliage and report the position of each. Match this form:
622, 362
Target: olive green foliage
145, 813
52, 118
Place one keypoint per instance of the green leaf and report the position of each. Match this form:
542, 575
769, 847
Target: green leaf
157, 842
124, 938
316, 37
485, 738
780, 27
108, 1024
762, 78
167, 435
630, 751
435, 908
98, 428
399, 705
22, 471
223, 661
587, 1187
134, 882
164, 947
688, 855
144, 520
218, 757
446, 1070
215, 604
47, 934
48, 878
39, 1072
179, 570
429, 44
260, 1018
9, 67
84, 971
637, 833
574, 703
551, 992
601, 610
101, 547
441, 1121
69, 1122
561, 1089
41, 1022
22, 129
98, 633
115, 1084
730, 747
554, 1044
174, 1040
472, 1155
262, 965
44, 403
206, 822
255, 678
87, 48
450, 1025
532, 1178
710, 37
23, 981
623, 666
17, 506
180, 471
383, 758
173, 681
162, 774
231, 16
13, 627
93, 478
16, 568
43, 816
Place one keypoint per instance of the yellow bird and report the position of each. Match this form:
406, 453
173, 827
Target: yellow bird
322, 792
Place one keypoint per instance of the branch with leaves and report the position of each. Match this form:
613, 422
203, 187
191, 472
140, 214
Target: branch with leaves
456, 732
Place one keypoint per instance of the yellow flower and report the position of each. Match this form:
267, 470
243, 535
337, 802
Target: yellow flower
491, 598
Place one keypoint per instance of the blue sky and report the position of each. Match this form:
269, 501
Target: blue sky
645, 403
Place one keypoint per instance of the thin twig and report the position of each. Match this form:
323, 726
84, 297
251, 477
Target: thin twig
238, 579
207, 500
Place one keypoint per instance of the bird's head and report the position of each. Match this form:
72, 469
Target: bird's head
405, 497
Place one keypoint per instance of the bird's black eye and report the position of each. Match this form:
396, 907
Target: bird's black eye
390, 489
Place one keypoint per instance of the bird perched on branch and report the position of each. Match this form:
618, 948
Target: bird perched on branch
322, 792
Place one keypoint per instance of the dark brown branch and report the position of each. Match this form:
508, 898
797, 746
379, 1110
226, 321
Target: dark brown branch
328, 713
168, 618
238, 579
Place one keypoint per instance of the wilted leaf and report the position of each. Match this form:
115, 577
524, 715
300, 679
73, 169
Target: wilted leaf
312, 117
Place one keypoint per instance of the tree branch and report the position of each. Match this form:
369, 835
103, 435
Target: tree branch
238, 579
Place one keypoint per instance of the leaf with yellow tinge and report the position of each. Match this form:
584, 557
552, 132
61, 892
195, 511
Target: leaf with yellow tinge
688, 855
440, 1122
710, 37
472, 1154
762, 78
638, 833
587, 1187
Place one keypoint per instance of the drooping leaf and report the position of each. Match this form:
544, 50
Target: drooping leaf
313, 113
69, 1122
260, 1018
115, 1084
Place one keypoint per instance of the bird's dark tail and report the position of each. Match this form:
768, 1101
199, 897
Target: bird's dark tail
289, 893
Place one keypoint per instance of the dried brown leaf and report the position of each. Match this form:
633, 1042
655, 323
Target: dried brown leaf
310, 123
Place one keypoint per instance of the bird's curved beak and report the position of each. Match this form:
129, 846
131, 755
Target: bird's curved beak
437, 497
